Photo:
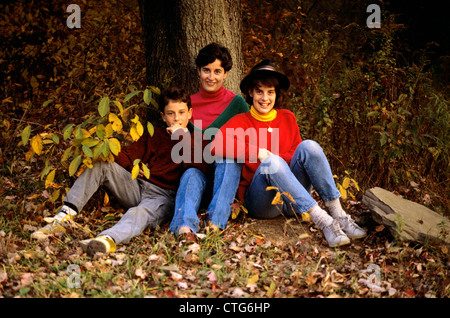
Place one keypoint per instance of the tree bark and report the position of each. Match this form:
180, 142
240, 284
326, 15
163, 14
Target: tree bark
175, 30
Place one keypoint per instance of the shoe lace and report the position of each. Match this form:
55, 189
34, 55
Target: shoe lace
336, 229
348, 221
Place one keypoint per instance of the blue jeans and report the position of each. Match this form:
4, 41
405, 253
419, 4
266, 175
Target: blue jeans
193, 184
308, 168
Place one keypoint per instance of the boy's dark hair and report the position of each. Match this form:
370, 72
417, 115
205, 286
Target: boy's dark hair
214, 51
268, 80
174, 93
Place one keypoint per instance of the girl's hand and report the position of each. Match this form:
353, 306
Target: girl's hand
263, 154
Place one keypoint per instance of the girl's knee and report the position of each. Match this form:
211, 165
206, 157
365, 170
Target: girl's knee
310, 147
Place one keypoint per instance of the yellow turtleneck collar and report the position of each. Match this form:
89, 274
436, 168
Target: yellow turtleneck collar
263, 117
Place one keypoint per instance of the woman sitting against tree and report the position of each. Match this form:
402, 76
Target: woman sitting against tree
268, 139
212, 107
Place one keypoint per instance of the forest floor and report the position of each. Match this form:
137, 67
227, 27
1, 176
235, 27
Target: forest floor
278, 258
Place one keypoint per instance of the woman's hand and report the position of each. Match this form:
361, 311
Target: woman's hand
263, 153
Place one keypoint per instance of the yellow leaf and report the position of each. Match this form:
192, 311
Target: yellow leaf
119, 105
110, 156
139, 128
36, 144
29, 155
88, 163
146, 170
342, 191
150, 128
135, 119
55, 196
346, 183
134, 134
277, 198
253, 279
351, 194
135, 172
73, 167
306, 217
106, 200
271, 188
114, 146
109, 130
93, 130
50, 178
235, 212
90, 142
86, 133
355, 183
25, 134
271, 289
116, 122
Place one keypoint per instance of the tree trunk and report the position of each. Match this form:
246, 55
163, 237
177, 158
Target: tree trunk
175, 30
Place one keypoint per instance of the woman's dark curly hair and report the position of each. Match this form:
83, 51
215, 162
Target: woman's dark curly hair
214, 51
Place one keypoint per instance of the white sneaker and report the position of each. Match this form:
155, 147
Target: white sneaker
55, 224
350, 227
334, 235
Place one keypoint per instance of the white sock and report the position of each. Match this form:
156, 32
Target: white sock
320, 217
68, 210
65, 210
335, 208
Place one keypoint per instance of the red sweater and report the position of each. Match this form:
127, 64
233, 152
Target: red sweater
155, 152
207, 107
283, 141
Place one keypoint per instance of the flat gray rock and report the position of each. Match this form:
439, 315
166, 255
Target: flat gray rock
405, 219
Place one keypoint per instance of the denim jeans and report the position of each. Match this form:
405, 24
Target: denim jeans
193, 184
308, 168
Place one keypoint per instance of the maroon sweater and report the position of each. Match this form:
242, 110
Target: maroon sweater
155, 151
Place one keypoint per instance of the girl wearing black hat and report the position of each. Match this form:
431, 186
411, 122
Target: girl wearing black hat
267, 140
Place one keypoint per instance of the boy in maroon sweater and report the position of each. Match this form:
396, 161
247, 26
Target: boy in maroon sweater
150, 202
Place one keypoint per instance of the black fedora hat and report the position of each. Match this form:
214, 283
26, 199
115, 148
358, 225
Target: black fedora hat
264, 68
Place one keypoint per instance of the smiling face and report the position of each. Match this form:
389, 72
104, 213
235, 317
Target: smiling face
176, 114
212, 76
264, 97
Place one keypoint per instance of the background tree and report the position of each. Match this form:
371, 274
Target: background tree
175, 30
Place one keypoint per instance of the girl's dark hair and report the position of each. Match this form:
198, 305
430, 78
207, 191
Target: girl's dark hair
176, 94
268, 80
214, 51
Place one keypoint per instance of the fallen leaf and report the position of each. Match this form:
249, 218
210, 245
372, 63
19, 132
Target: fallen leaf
212, 277
237, 292
3, 277
26, 279
176, 276
194, 248
140, 273
153, 257
182, 285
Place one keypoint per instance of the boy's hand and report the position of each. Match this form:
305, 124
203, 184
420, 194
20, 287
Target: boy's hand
263, 154
175, 127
